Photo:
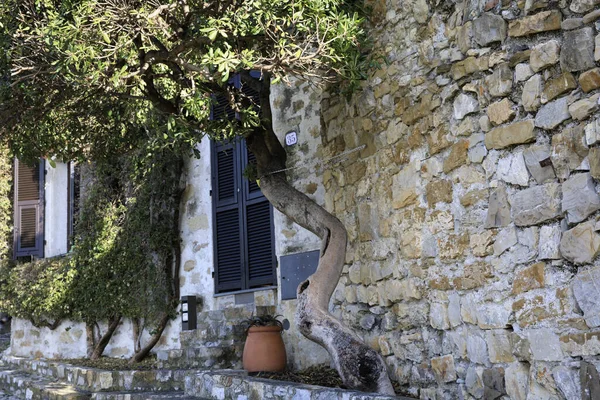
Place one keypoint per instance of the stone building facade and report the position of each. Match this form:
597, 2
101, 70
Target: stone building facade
469, 185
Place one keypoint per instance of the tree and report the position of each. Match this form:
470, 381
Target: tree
94, 77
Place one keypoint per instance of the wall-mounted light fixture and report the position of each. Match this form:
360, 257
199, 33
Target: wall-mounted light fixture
188, 313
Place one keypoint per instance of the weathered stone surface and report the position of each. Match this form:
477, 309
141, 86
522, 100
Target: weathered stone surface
594, 158
583, 108
577, 52
500, 111
592, 132
590, 381
443, 368
545, 345
586, 288
464, 105
540, 22
499, 346
517, 381
523, 72
536, 205
454, 310
474, 381
512, 169
493, 383
581, 6
591, 16
581, 344
505, 240
537, 160
438, 315
367, 322
549, 243
489, 28
438, 140
568, 382
568, 150
590, 80
553, 114
532, 91
571, 23
438, 191
530, 278
515, 133
557, 86
457, 156
500, 82
597, 50
404, 190
469, 66
579, 198
477, 349
498, 214
544, 55
581, 244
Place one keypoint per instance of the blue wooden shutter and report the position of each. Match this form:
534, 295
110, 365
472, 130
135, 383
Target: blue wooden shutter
29, 209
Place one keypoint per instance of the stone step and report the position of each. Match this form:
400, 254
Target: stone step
18, 384
202, 357
96, 380
176, 395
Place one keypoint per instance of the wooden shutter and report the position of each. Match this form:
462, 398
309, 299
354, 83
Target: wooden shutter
260, 244
229, 260
29, 209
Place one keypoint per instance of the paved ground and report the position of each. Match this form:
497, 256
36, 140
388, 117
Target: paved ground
4, 396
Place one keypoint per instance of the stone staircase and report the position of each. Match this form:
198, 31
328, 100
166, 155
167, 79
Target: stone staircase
22, 378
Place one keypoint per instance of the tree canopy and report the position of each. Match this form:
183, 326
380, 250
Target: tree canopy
95, 77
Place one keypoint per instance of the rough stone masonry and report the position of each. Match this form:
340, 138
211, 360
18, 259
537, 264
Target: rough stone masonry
473, 209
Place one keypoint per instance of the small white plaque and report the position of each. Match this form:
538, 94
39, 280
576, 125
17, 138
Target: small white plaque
184, 306
291, 138
184, 317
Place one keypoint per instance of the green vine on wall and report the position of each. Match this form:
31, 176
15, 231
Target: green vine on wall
124, 262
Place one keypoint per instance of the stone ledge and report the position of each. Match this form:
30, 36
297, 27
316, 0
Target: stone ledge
28, 386
236, 384
95, 380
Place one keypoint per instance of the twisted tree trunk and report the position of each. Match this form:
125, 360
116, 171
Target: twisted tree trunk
359, 366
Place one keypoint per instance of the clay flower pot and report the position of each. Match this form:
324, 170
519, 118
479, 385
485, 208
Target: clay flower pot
264, 349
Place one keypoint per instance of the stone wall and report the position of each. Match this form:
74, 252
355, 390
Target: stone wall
473, 209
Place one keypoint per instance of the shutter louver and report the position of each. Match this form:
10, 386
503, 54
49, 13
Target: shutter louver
228, 251
29, 224
226, 175
252, 185
259, 242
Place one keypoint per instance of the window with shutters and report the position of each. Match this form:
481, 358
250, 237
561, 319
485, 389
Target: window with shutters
29, 209
243, 218
46, 196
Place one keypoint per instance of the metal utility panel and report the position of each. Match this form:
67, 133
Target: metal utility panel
295, 268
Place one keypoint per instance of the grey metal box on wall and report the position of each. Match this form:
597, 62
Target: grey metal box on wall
295, 268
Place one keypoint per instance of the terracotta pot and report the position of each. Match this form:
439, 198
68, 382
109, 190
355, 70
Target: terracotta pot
264, 349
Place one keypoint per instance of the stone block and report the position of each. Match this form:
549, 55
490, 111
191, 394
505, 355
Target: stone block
581, 344
594, 159
590, 381
501, 111
590, 80
493, 383
499, 346
477, 351
586, 288
540, 22
474, 381
545, 345
512, 169
571, 23
443, 368
464, 105
557, 86
523, 72
498, 214
568, 382
536, 205
553, 114
577, 53
531, 96
597, 49
457, 156
489, 28
505, 239
438, 191
530, 278
515, 133
549, 243
592, 132
500, 82
469, 66
544, 55
517, 381
581, 244
404, 191
568, 150
580, 198
538, 163
583, 108
582, 6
